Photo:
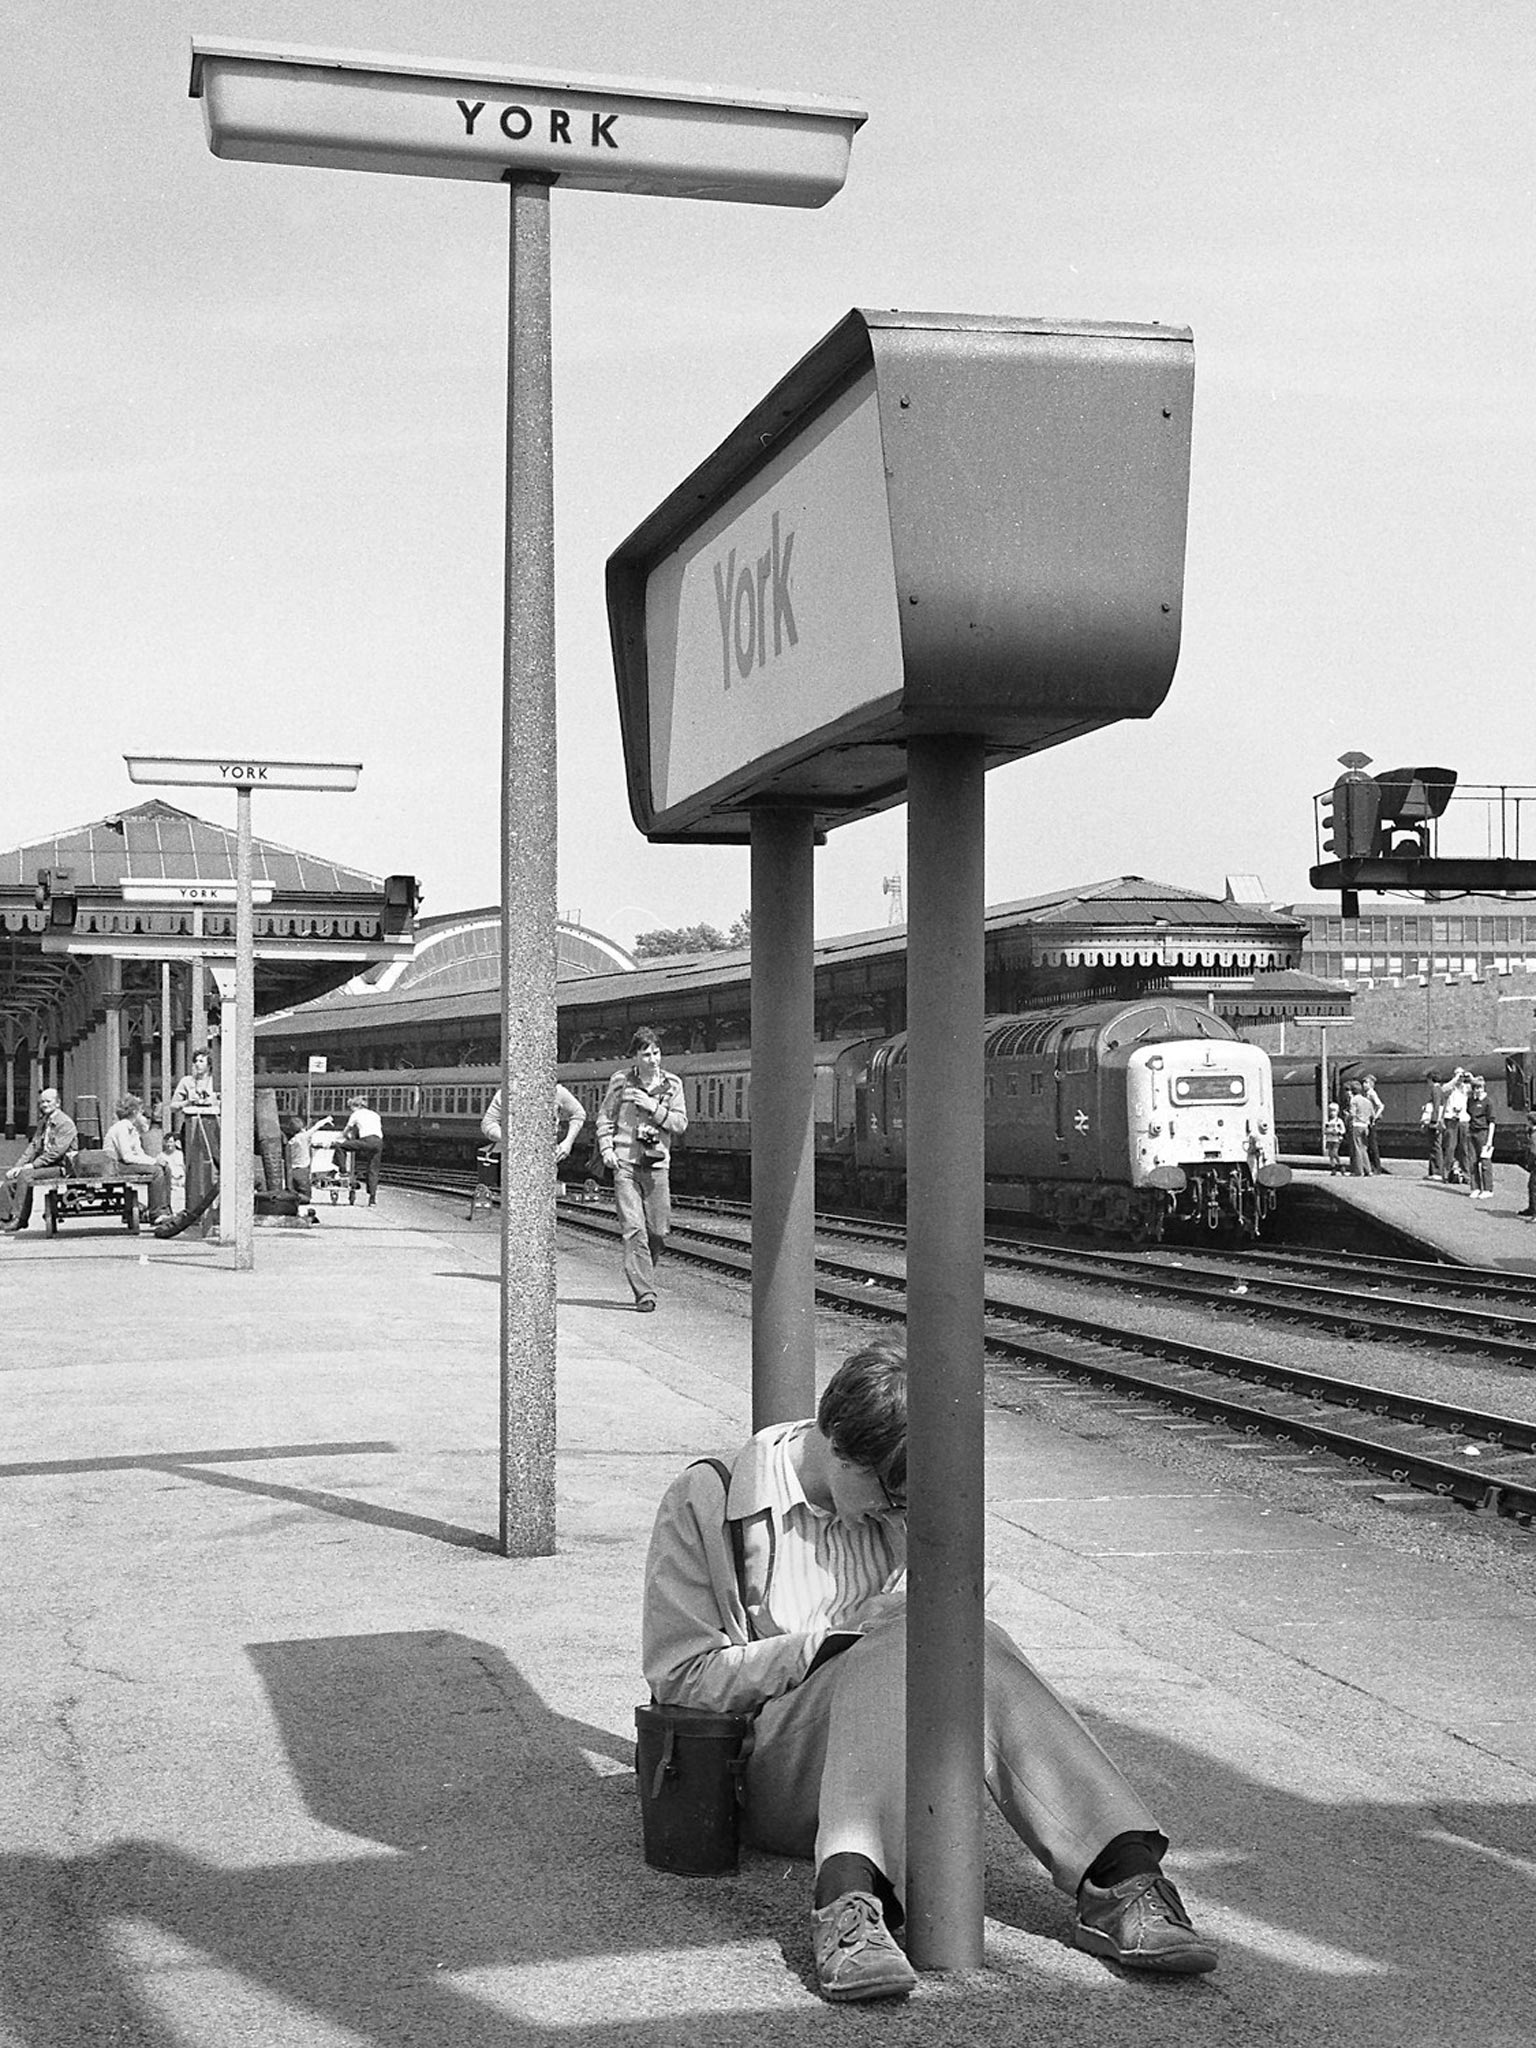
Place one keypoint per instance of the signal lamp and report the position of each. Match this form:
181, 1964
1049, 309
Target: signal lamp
401, 896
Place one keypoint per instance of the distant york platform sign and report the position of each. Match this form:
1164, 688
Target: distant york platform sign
346, 110
242, 773
936, 524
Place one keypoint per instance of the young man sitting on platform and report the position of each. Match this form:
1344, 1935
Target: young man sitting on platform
786, 1598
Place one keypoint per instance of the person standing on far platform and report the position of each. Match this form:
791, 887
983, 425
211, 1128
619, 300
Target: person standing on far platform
1333, 1138
641, 1113
1458, 1168
1429, 1127
1528, 1161
1372, 1137
785, 1599
1480, 1128
362, 1141
1357, 1114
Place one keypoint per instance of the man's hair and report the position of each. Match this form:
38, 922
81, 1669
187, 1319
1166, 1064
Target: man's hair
129, 1105
644, 1040
863, 1411
357, 1102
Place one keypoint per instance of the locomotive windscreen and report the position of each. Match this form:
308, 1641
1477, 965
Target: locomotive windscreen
1209, 1088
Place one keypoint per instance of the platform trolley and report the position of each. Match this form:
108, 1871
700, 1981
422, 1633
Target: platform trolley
486, 1192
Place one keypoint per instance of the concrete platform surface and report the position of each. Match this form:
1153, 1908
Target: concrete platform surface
1443, 1221
289, 1755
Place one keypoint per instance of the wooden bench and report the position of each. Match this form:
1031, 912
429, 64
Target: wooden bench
90, 1195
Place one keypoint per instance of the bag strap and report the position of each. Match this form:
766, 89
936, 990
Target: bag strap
738, 1542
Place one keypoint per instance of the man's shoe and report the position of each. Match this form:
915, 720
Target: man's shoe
856, 1953
1141, 1923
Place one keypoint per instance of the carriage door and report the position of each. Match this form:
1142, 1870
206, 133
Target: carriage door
1517, 1081
1076, 1139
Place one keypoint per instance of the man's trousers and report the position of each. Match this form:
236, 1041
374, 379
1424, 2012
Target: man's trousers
642, 1196
828, 1773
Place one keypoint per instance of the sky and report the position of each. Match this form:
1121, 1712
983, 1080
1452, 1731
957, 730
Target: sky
252, 418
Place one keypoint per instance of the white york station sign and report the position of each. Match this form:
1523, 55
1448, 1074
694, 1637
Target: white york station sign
354, 110
236, 772
160, 891
778, 615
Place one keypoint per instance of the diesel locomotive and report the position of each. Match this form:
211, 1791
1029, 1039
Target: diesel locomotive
1125, 1118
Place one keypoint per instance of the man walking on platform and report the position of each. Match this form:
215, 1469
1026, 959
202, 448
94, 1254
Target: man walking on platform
641, 1113
46, 1158
785, 1598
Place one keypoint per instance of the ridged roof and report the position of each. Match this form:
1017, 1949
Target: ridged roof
156, 842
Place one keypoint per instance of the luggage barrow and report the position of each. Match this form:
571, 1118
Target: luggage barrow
78, 1195
486, 1192
330, 1176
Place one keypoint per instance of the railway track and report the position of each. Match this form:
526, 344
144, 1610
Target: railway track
1241, 1286
1479, 1459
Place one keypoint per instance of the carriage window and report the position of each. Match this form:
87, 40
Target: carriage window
1037, 1083
1013, 1083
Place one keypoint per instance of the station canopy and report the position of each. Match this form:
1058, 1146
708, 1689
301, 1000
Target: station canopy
321, 924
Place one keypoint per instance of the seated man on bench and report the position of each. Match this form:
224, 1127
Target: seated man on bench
46, 1157
128, 1160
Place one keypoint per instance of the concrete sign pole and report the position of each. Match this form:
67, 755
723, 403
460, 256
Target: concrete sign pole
167, 1082
783, 1112
946, 797
528, 891
238, 1147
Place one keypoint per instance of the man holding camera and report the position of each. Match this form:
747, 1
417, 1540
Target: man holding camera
641, 1113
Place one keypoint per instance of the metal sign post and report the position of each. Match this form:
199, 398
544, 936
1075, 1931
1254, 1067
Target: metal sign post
1320, 1025
348, 110
237, 1186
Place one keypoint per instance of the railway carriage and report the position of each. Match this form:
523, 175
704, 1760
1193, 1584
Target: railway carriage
1124, 1117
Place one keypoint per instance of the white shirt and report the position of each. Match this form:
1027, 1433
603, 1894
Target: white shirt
364, 1123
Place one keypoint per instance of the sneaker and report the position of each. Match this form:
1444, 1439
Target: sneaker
1141, 1923
856, 1953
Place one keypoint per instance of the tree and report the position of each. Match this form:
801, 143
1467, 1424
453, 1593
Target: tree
670, 939
741, 931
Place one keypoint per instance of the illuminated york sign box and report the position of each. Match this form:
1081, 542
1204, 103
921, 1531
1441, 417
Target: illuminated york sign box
350, 110
934, 524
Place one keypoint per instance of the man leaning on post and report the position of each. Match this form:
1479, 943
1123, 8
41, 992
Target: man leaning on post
46, 1158
802, 1622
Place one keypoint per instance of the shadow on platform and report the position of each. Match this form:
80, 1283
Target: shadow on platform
493, 1894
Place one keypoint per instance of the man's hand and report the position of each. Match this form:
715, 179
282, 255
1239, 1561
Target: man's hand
638, 1098
879, 1607
608, 1160
563, 1151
